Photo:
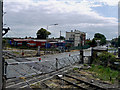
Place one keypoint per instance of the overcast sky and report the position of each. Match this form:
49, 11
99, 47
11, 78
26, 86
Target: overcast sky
25, 17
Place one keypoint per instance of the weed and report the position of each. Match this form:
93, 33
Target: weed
85, 65
104, 73
75, 68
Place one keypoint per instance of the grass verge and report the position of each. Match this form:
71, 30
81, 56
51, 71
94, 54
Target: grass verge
104, 73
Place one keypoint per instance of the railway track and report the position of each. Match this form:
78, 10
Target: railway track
34, 65
80, 83
66, 78
12, 55
8, 54
20, 83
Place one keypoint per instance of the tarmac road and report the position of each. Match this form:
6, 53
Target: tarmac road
46, 65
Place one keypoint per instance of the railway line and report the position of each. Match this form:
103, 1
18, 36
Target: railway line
80, 83
65, 80
33, 79
48, 71
38, 67
17, 58
8, 54
45, 66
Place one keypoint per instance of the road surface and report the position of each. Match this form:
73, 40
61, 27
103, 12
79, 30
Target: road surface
30, 66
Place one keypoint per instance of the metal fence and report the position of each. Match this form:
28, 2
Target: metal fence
78, 47
22, 69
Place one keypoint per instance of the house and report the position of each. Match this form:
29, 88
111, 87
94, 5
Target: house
77, 37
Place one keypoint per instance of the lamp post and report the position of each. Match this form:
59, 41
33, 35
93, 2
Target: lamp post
51, 25
47, 37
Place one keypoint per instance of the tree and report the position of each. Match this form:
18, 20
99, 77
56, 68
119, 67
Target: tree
42, 33
115, 42
106, 58
93, 44
26, 37
100, 37
62, 38
88, 42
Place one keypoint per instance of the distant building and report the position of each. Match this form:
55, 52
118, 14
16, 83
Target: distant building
28, 42
76, 37
37, 42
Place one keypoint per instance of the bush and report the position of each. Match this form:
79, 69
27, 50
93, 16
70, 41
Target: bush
104, 73
106, 58
75, 68
85, 64
92, 65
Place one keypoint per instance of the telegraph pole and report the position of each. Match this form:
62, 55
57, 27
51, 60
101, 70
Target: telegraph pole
1, 27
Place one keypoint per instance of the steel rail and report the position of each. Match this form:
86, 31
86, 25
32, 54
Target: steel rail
87, 83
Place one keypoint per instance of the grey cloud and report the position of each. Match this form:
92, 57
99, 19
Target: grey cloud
25, 21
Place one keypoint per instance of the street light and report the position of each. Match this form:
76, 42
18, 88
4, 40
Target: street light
51, 25
47, 30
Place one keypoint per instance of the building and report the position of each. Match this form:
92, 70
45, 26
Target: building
28, 42
77, 37
19, 42
36, 43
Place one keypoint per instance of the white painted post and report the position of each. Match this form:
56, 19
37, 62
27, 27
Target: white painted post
1, 26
